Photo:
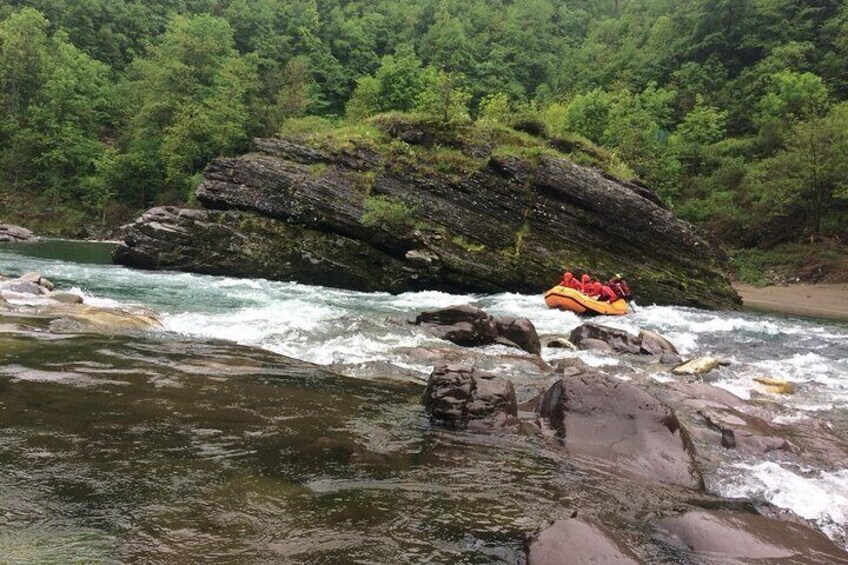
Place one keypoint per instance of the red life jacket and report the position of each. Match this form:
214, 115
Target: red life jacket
608, 294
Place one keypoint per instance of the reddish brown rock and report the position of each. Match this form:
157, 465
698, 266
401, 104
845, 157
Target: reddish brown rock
614, 421
462, 397
578, 541
726, 537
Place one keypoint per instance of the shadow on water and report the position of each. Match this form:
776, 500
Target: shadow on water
83, 252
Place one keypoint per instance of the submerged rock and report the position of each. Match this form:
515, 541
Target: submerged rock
775, 386
698, 366
470, 326
615, 421
462, 397
576, 541
357, 216
15, 233
652, 343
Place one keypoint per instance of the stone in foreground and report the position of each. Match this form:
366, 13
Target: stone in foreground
614, 421
461, 397
727, 537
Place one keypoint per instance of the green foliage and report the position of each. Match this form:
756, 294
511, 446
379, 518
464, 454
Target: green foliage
443, 97
495, 108
810, 174
387, 213
727, 108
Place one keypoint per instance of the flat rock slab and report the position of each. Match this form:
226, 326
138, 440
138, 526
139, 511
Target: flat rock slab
724, 537
615, 421
578, 541
698, 366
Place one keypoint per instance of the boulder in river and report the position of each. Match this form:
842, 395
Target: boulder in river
15, 233
596, 337
357, 215
577, 541
470, 326
612, 420
462, 397
66, 297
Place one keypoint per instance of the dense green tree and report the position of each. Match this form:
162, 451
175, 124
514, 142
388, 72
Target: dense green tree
192, 104
443, 96
56, 101
810, 173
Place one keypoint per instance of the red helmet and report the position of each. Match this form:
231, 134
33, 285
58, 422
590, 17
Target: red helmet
568, 276
585, 278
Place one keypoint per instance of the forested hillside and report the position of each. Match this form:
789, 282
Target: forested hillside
733, 110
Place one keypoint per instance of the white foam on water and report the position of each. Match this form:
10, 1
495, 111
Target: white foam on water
819, 496
93, 300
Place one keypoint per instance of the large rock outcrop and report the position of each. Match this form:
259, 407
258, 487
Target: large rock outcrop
406, 213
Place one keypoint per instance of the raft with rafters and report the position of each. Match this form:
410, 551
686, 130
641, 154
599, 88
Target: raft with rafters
565, 298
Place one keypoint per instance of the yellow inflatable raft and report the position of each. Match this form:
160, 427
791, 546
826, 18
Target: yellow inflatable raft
575, 301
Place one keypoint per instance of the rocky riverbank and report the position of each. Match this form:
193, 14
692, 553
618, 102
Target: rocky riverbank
666, 440
416, 207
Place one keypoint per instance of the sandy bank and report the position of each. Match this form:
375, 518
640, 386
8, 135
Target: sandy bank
814, 300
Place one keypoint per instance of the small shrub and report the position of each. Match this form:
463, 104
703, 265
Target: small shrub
386, 212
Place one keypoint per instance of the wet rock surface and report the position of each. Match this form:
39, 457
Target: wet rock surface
596, 337
461, 397
576, 541
602, 417
32, 297
291, 211
470, 326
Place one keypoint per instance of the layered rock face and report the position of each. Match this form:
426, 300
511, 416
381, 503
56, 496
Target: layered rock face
471, 218
15, 233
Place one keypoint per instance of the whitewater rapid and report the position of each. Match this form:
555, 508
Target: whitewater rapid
345, 328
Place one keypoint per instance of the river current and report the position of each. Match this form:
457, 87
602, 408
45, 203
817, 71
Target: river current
175, 448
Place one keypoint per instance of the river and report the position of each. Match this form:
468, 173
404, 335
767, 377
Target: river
183, 446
